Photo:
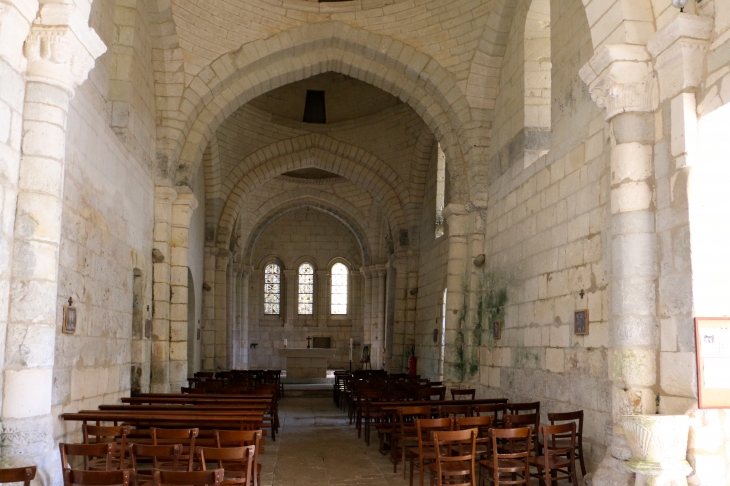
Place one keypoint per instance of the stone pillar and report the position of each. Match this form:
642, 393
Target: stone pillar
60, 50
245, 284
401, 341
207, 345
621, 79
220, 361
376, 354
455, 216
161, 290
182, 212
231, 306
367, 297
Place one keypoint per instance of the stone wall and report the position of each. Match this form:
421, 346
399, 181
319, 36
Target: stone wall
545, 245
106, 222
311, 236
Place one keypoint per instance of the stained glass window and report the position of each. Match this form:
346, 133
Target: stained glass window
272, 289
339, 289
306, 289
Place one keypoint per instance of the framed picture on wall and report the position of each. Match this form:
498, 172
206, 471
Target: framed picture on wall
580, 322
69, 317
497, 330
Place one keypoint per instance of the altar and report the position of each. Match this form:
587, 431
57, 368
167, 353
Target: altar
306, 362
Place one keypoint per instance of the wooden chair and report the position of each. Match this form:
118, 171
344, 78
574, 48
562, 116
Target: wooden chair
463, 394
98, 454
236, 463
527, 407
553, 459
529, 420
117, 435
454, 411
455, 458
18, 475
213, 477
431, 393
483, 425
186, 437
404, 433
494, 410
507, 467
170, 454
577, 418
423, 454
243, 438
122, 477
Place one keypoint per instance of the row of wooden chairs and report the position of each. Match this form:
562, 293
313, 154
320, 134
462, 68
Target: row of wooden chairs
106, 447
129, 477
506, 456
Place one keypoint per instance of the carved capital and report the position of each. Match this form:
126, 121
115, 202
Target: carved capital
61, 48
621, 79
680, 49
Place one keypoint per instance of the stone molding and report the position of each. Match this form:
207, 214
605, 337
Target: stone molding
61, 48
621, 79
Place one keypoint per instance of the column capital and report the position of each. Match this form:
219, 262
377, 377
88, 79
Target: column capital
680, 48
621, 79
366, 272
61, 48
246, 271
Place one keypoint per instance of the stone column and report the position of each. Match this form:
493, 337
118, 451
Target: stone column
367, 296
376, 353
182, 212
455, 216
220, 361
207, 344
621, 79
401, 341
245, 284
161, 290
60, 51
231, 306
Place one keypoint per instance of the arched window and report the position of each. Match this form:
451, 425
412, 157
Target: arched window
339, 289
306, 289
272, 289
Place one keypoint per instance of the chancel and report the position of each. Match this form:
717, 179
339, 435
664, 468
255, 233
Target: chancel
327, 223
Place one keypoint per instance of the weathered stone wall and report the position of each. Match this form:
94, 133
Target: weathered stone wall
545, 244
106, 227
107, 221
311, 236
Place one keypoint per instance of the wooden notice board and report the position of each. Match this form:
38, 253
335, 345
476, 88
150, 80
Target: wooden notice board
712, 335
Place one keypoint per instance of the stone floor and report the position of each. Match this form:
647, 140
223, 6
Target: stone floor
316, 445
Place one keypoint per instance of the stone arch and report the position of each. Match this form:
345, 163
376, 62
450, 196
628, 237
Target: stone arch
314, 197
321, 206
537, 80
319, 151
263, 65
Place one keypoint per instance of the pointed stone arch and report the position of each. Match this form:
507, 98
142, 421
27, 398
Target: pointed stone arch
315, 150
263, 65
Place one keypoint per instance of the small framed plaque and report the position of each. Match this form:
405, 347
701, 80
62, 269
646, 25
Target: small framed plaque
497, 330
69, 317
712, 335
580, 322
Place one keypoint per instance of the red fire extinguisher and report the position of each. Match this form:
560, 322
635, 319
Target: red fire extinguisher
413, 362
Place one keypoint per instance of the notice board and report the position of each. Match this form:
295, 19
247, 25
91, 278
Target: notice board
712, 335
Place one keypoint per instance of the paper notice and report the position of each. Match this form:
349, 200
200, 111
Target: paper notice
715, 343
716, 372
